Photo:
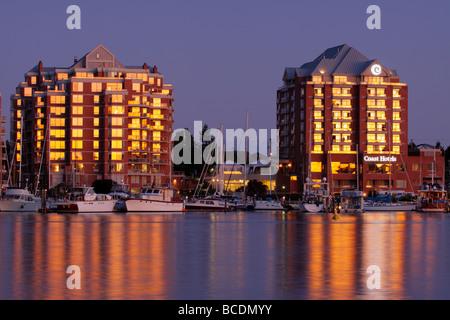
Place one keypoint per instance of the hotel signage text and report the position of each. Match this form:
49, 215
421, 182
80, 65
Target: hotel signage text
380, 159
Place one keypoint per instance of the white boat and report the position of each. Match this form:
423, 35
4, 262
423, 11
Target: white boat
19, 200
267, 205
389, 206
315, 195
154, 200
352, 201
312, 207
208, 204
120, 192
85, 200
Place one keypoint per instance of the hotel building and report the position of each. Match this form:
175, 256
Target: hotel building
97, 119
344, 117
3, 155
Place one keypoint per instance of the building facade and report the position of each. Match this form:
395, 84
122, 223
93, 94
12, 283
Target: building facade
344, 117
97, 119
3, 153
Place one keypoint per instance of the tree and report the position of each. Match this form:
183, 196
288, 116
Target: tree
256, 187
102, 186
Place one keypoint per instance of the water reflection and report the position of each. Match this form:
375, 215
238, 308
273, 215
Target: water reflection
224, 256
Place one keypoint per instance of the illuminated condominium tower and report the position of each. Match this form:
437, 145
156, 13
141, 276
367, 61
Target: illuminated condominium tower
96, 119
338, 113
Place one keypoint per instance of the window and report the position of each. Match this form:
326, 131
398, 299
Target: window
396, 93
116, 110
96, 99
396, 115
136, 87
77, 121
396, 138
77, 86
57, 110
77, 133
57, 156
316, 167
117, 144
77, 156
370, 126
27, 92
114, 87
318, 137
340, 79
96, 133
317, 102
57, 144
117, 133
96, 156
77, 98
396, 127
381, 92
401, 183
373, 80
336, 148
96, 110
77, 144
116, 98
116, 121
57, 133
396, 104
343, 167
57, 99
96, 144
77, 110
317, 149
96, 87
57, 122
62, 76
116, 155
96, 122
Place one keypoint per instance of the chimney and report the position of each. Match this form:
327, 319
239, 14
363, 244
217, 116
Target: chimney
155, 69
145, 66
75, 60
40, 67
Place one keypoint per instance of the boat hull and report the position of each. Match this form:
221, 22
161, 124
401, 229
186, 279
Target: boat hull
271, 206
411, 207
206, 208
17, 206
144, 205
313, 208
85, 206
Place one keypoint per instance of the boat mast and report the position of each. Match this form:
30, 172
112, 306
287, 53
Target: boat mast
245, 154
21, 147
357, 167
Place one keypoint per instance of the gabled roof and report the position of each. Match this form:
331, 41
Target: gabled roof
100, 57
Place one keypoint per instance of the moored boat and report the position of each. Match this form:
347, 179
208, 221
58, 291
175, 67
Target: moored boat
208, 204
433, 198
85, 200
155, 200
352, 201
19, 200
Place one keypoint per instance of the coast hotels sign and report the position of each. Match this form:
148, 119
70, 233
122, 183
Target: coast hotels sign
380, 159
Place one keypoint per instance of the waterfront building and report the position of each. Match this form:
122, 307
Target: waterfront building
235, 175
97, 119
344, 117
3, 154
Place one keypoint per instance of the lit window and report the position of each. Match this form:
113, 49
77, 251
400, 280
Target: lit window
316, 166
77, 98
96, 87
77, 121
77, 144
77, 86
340, 79
77, 110
77, 133
27, 92
117, 133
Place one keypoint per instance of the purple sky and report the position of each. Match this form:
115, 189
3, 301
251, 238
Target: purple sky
228, 56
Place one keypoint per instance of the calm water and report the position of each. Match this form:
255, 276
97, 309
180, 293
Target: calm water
240, 255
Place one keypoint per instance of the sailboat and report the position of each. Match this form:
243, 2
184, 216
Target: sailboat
208, 203
19, 199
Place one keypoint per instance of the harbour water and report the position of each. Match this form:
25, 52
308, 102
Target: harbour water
230, 256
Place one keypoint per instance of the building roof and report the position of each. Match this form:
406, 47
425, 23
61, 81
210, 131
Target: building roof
100, 57
339, 60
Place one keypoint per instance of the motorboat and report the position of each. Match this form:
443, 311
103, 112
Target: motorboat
207, 204
85, 200
433, 198
352, 201
120, 192
267, 205
389, 206
19, 200
316, 196
155, 200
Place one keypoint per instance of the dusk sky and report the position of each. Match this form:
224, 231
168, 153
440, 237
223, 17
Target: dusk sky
225, 57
